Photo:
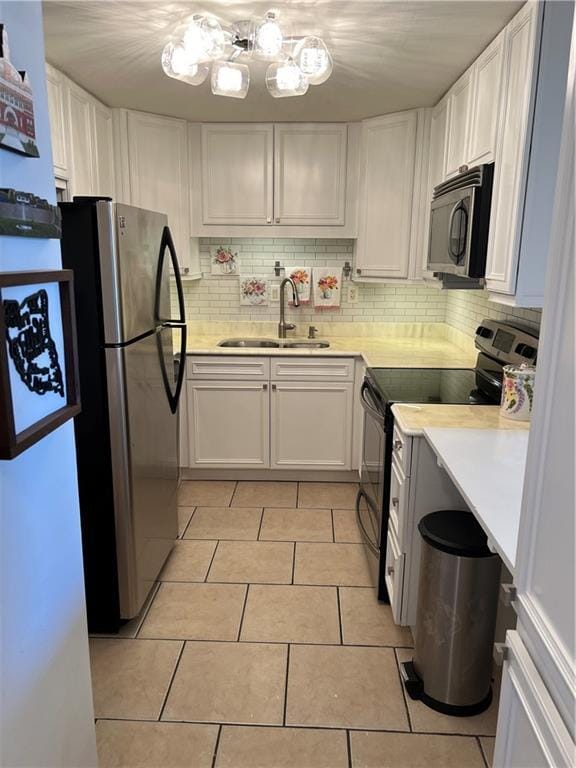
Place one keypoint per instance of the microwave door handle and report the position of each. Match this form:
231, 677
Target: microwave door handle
458, 207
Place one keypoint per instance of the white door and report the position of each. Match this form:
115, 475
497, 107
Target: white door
513, 149
311, 425
485, 103
388, 155
458, 123
237, 172
158, 159
545, 574
82, 158
103, 150
309, 174
229, 424
57, 108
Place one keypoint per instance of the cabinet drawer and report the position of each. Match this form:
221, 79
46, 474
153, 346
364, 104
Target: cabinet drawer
402, 450
394, 575
398, 503
228, 367
313, 369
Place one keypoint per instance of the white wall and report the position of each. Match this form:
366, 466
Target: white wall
46, 715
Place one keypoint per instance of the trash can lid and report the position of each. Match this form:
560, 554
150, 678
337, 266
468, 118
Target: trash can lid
455, 532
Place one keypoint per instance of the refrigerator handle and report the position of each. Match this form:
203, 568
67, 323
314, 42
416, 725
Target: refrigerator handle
168, 244
173, 397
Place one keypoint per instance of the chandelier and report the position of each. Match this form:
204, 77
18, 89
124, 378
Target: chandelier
295, 62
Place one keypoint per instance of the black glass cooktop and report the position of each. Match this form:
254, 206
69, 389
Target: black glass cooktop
458, 386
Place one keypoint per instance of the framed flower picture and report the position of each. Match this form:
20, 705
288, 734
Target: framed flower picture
223, 261
39, 387
253, 292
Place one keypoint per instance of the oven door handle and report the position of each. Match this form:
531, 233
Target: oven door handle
368, 406
367, 540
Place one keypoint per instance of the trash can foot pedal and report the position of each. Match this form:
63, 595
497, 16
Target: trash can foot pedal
411, 681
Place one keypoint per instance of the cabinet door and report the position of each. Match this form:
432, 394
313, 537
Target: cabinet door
237, 172
438, 136
103, 150
81, 141
158, 158
458, 123
311, 425
486, 103
388, 155
530, 732
58, 108
309, 174
229, 424
512, 150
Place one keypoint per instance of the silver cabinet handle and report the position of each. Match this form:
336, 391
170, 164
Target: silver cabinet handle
395, 501
268, 220
278, 220
265, 387
273, 387
390, 570
358, 271
397, 445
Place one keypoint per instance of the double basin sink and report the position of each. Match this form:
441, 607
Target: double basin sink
274, 344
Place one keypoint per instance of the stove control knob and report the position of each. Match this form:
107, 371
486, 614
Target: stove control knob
484, 332
525, 350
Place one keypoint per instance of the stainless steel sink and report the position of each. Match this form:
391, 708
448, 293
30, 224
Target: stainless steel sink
305, 344
260, 343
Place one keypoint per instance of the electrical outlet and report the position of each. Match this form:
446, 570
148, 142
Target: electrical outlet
275, 293
352, 294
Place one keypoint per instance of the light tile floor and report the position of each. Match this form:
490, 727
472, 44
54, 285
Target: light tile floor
263, 646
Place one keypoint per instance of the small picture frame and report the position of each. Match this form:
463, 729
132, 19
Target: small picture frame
39, 385
223, 261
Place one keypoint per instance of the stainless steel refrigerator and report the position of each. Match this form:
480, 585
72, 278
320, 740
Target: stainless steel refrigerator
130, 381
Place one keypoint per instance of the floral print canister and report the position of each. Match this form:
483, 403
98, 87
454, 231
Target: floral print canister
518, 392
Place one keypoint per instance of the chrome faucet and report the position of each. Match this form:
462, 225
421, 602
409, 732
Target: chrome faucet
283, 326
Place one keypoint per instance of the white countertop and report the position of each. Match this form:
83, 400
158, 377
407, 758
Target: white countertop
487, 466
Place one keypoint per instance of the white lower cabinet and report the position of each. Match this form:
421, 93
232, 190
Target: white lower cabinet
311, 425
228, 424
395, 576
530, 732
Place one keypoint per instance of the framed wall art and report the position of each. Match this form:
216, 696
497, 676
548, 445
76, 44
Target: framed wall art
39, 388
17, 125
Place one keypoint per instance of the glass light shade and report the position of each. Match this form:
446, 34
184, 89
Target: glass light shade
204, 39
269, 37
176, 63
285, 78
230, 79
313, 58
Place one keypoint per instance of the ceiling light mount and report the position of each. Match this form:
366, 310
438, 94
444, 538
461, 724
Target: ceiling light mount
295, 62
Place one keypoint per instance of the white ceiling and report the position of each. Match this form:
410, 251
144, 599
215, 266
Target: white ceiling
388, 56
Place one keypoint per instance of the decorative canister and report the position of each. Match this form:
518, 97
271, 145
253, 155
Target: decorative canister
518, 392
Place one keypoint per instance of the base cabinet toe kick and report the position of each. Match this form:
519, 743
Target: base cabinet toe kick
270, 414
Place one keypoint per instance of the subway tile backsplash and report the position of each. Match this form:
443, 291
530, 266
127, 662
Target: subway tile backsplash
216, 298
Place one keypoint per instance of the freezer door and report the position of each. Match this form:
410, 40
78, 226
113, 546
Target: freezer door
144, 445
130, 243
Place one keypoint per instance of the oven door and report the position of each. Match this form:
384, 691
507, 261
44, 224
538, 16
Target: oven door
451, 232
371, 497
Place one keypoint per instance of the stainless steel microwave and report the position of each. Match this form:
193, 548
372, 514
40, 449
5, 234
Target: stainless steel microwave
459, 223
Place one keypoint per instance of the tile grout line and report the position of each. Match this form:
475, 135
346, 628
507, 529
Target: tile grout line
233, 493
403, 691
349, 748
209, 567
261, 642
216, 745
484, 757
286, 686
339, 615
188, 524
333, 528
171, 681
293, 560
260, 525
146, 612
243, 612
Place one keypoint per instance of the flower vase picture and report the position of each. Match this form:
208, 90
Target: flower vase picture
223, 261
253, 292
302, 281
327, 291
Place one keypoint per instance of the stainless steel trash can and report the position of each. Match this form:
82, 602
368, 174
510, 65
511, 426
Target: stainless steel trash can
456, 618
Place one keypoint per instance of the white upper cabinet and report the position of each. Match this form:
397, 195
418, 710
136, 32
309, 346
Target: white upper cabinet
438, 137
158, 170
388, 154
309, 174
237, 173
460, 99
487, 79
58, 109
83, 175
103, 141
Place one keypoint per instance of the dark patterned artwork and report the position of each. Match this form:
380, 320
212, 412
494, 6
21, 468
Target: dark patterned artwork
30, 344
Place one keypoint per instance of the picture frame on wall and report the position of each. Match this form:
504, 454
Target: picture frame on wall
39, 384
